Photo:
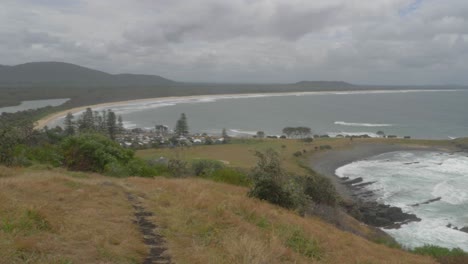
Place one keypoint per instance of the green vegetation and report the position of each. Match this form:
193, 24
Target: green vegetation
272, 183
181, 128
297, 132
443, 255
29, 222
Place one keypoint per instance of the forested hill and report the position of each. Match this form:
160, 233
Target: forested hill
60, 73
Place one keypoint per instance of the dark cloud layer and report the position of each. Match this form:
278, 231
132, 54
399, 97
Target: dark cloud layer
361, 41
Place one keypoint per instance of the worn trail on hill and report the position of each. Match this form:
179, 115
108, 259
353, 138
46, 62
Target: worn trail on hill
154, 241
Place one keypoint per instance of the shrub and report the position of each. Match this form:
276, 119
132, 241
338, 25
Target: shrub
205, 167
320, 189
231, 176
324, 147
92, 152
272, 192
269, 178
116, 169
138, 167
177, 167
436, 251
297, 154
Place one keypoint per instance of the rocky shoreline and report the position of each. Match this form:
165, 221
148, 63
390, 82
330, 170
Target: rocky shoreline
359, 202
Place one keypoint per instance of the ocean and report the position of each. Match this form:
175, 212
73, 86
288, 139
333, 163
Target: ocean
407, 178
430, 114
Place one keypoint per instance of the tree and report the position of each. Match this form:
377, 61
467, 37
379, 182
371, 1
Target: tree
120, 125
69, 124
103, 122
112, 128
86, 122
182, 128
260, 134
288, 131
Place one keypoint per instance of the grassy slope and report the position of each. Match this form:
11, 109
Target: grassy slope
63, 217
55, 216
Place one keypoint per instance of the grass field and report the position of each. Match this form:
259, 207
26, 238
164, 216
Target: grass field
240, 153
56, 216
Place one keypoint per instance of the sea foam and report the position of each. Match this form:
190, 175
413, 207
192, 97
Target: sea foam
342, 123
404, 179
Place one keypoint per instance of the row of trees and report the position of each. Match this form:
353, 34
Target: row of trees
105, 122
297, 132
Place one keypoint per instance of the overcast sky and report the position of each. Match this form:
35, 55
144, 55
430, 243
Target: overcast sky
359, 41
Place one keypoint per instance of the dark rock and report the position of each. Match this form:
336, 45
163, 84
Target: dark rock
464, 229
428, 201
381, 215
357, 180
363, 184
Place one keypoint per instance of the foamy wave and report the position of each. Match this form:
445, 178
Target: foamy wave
450, 193
342, 123
406, 178
242, 132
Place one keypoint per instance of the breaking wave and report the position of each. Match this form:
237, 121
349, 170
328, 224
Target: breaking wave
342, 123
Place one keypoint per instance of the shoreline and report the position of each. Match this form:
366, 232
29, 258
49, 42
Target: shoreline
363, 205
41, 123
326, 163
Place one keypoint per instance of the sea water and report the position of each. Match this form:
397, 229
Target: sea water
435, 114
33, 104
407, 178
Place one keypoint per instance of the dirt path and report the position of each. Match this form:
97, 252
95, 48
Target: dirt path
154, 241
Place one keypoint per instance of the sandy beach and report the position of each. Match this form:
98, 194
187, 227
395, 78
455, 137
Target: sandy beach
41, 123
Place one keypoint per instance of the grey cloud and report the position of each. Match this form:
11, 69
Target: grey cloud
362, 41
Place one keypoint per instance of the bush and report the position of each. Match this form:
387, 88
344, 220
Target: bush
272, 192
205, 167
231, 176
138, 167
436, 251
116, 169
177, 167
93, 152
320, 190
270, 181
297, 154
324, 147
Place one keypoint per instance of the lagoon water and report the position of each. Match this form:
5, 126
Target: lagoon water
419, 114
34, 104
404, 179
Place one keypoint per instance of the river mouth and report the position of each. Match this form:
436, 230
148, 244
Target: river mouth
431, 185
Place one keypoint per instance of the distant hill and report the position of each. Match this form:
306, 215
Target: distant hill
60, 73
324, 84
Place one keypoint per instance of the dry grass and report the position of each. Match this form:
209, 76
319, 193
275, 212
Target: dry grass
207, 222
49, 217
56, 216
